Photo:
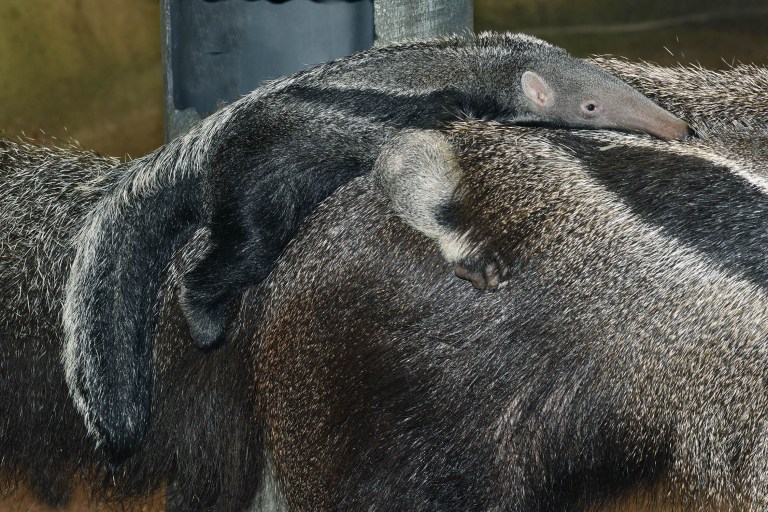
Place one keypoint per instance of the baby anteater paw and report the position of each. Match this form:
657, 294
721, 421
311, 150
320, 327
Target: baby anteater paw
206, 321
485, 272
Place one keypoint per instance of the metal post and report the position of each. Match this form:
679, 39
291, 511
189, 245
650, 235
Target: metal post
401, 19
217, 51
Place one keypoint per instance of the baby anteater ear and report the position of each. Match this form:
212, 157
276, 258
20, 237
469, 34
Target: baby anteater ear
537, 89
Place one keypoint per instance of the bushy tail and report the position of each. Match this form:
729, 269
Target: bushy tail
108, 314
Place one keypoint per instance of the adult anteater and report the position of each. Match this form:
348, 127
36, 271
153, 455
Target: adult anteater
623, 361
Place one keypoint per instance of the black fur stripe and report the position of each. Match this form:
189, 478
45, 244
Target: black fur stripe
704, 205
429, 110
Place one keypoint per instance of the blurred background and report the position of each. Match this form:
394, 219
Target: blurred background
91, 70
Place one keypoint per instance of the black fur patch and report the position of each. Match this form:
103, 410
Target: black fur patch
704, 205
447, 213
428, 111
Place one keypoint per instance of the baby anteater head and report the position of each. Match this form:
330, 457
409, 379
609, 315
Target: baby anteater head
578, 94
555, 89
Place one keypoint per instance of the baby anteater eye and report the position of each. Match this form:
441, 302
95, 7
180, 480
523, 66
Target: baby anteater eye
590, 108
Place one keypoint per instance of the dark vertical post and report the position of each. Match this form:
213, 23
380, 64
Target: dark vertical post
216, 51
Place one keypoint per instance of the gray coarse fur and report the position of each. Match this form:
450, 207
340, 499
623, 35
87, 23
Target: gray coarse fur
418, 172
202, 436
701, 95
621, 367
420, 183
254, 169
44, 194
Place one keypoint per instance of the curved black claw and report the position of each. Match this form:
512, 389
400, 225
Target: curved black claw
206, 321
485, 273
206, 326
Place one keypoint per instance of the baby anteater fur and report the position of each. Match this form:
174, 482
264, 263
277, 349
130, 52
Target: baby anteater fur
252, 171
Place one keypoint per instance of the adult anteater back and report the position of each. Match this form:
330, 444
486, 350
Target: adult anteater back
252, 171
624, 359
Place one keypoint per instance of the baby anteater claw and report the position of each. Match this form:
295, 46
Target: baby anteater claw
485, 273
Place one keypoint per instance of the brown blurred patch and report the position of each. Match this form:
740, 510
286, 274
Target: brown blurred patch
710, 32
83, 69
22, 501
662, 499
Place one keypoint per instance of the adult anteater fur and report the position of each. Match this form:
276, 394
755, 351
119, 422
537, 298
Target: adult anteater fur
201, 438
688, 90
625, 353
252, 171
623, 363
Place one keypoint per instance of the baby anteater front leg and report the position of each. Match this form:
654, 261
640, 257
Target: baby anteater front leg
212, 283
417, 170
246, 238
484, 272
